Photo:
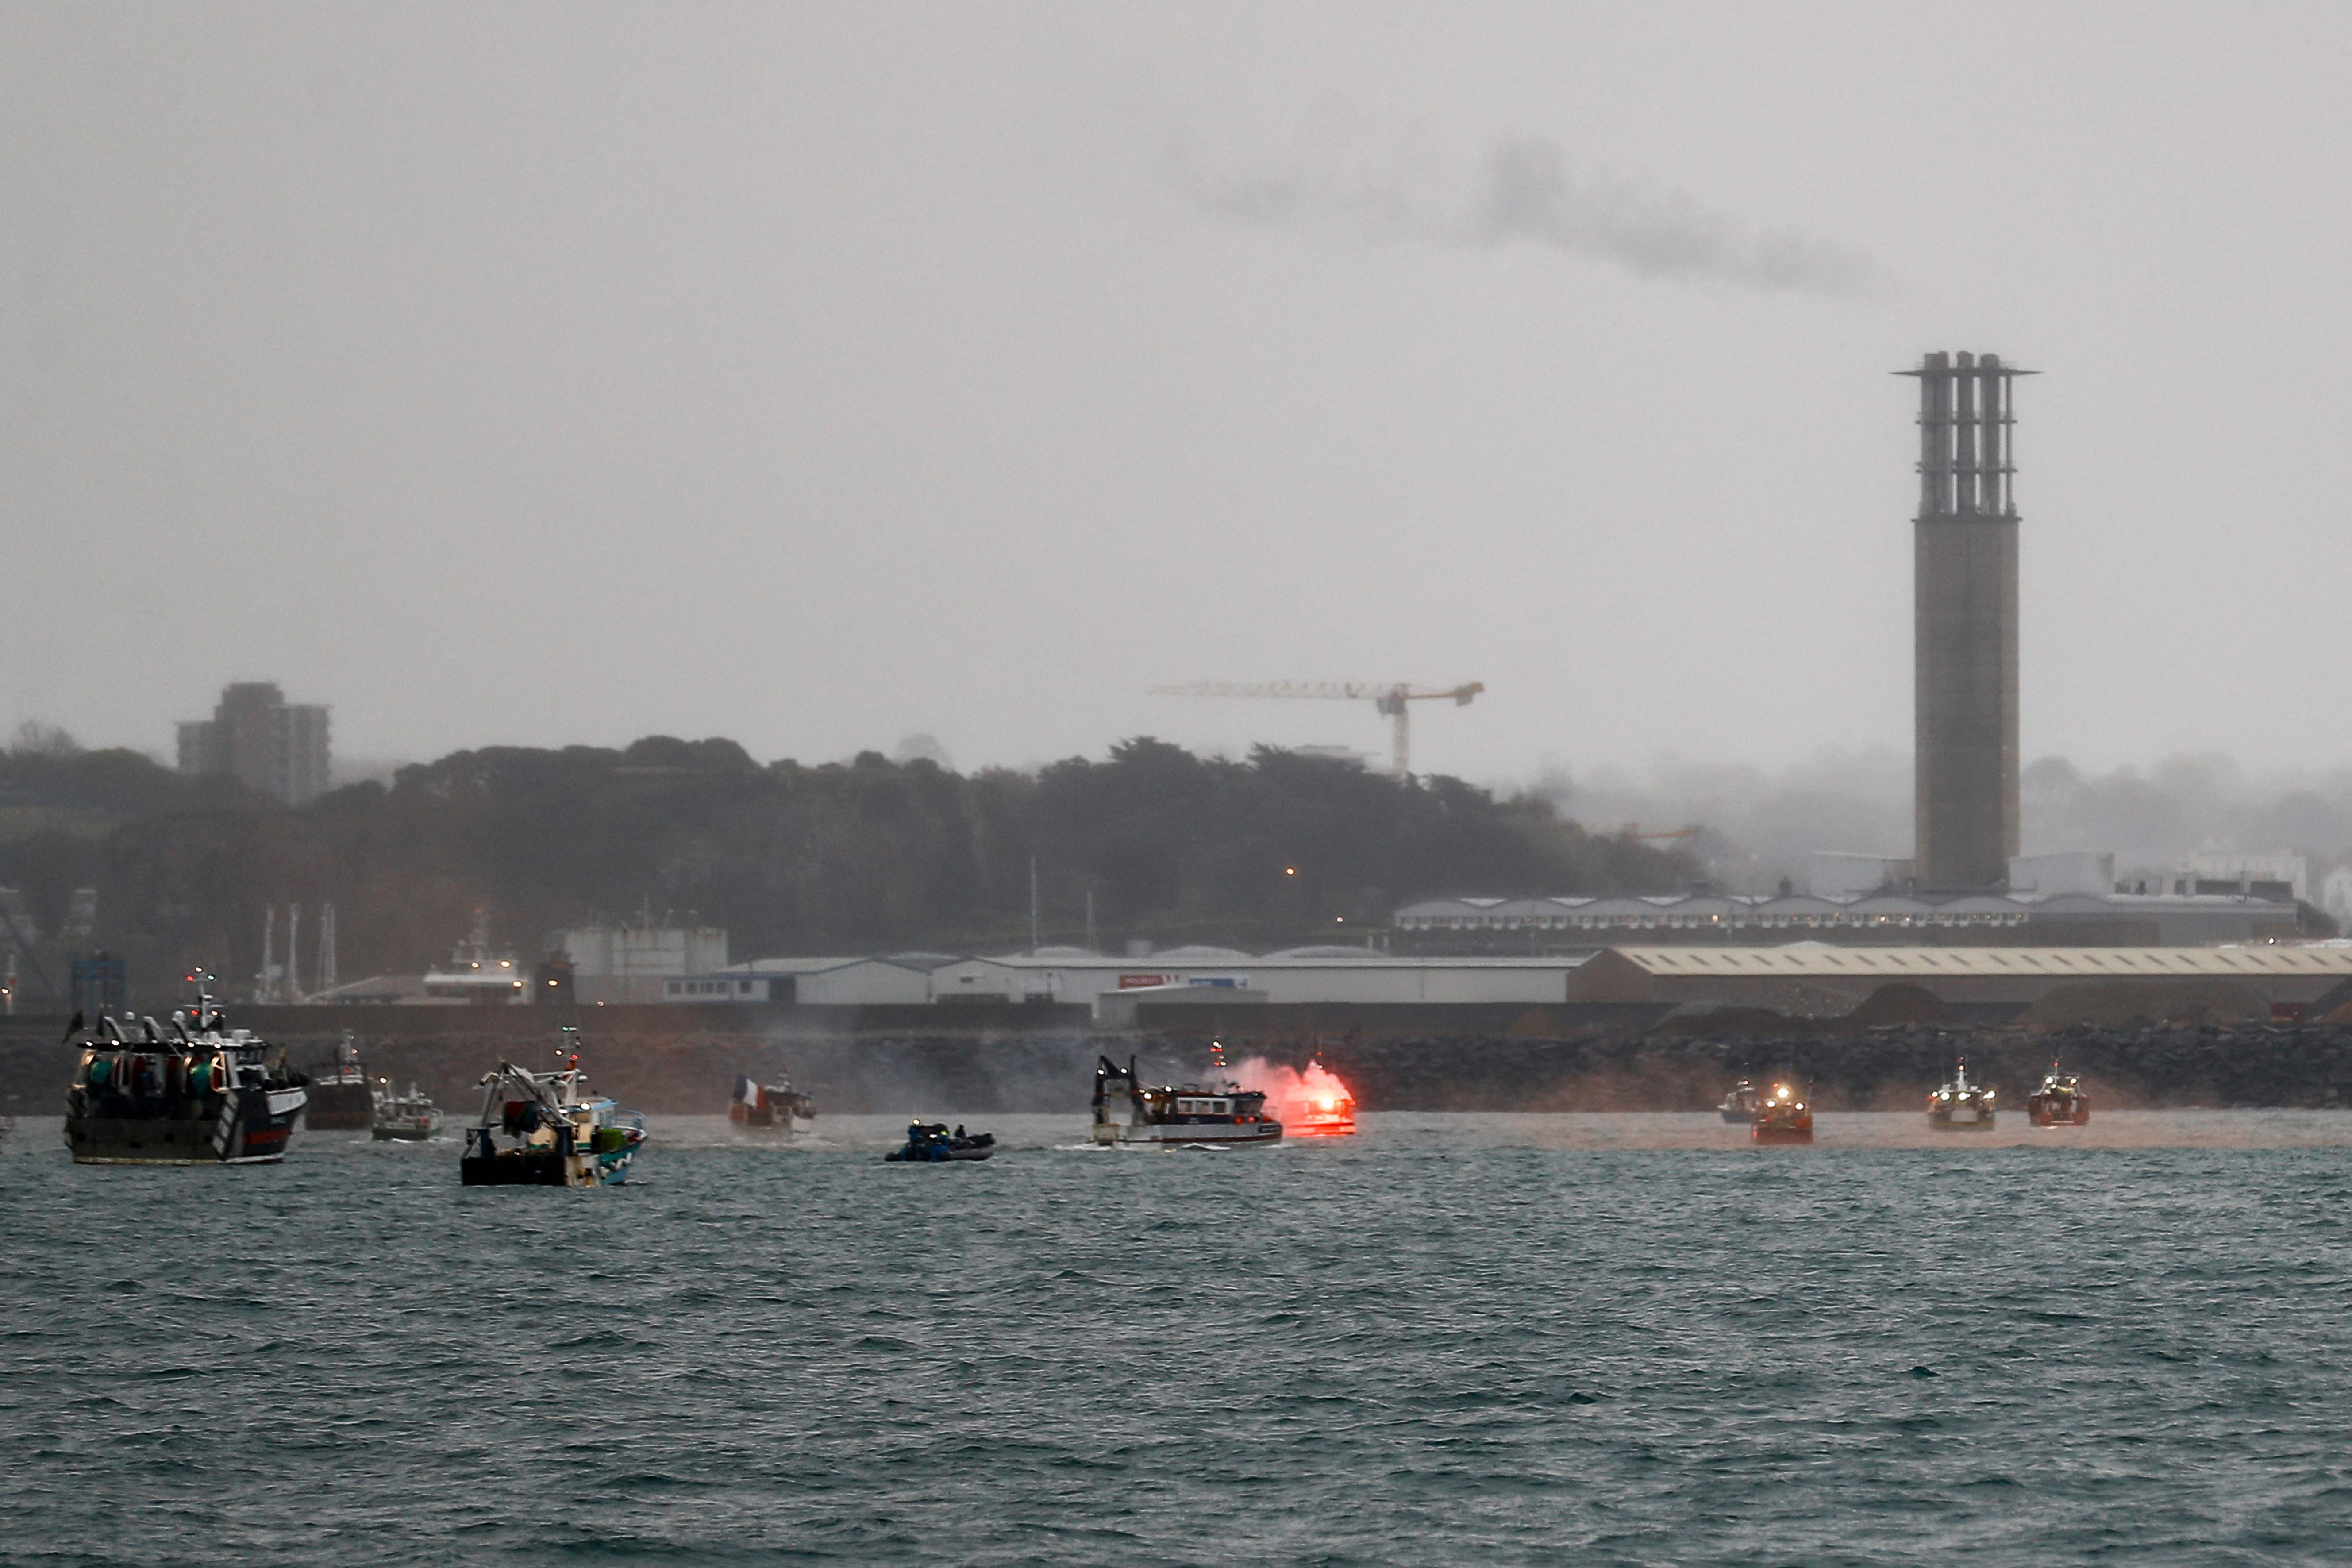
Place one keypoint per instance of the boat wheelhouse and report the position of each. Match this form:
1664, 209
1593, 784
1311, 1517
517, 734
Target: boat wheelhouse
194, 1092
1738, 1107
1127, 1111
546, 1129
1962, 1104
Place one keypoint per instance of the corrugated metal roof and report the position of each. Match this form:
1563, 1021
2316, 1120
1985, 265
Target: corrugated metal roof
1894, 963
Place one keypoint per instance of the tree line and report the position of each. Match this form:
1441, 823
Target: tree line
869, 855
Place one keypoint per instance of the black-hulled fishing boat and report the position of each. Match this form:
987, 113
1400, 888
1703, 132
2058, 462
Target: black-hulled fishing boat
408, 1117
1782, 1116
190, 1092
1738, 1107
930, 1144
772, 1107
1961, 1104
342, 1097
1220, 1113
546, 1129
2061, 1101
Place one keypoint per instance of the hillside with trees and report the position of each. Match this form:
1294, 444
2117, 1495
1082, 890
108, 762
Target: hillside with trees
864, 856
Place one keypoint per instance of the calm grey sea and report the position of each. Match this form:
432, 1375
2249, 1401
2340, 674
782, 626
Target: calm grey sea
1453, 1339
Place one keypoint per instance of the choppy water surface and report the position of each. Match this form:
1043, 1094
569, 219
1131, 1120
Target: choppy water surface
1450, 1340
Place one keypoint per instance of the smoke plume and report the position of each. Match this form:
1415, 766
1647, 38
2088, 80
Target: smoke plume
1527, 192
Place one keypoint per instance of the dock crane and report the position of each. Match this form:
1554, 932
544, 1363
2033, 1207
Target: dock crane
1390, 699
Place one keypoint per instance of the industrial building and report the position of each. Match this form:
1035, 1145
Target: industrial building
1495, 925
640, 962
1070, 976
258, 737
1964, 586
1817, 978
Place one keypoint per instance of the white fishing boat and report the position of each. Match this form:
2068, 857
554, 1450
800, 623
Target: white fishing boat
1220, 1114
1962, 1104
405, 1118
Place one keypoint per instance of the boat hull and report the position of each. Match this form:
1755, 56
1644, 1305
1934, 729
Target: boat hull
404, 1134
1178, 1134
752, 1120
1321, 1127
543, 1168
949, 1157
2075, 1115
1961, 1121
1762, 1131
238, 1135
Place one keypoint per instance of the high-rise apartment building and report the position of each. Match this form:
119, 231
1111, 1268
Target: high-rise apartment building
262, 739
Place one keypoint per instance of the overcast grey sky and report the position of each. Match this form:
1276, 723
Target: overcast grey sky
813, 374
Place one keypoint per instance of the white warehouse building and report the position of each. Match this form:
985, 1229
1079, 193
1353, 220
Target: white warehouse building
1077, 977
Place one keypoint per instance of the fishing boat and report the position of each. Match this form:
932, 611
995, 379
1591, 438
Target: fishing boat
192, 1092
1961, 1104
407, 1117
342, 1099
777, 1105
1738, 1107
2060, 1101
1782, 1117
930, 1144
546, 1129
1193, 1115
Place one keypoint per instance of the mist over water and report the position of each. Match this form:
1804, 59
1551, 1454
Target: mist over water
1763, 822
1453, 1338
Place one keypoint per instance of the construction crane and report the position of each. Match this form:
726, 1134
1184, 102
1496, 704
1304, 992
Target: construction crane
1391, 699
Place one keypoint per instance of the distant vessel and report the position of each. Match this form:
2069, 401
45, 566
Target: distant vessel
2060, 1101
1321, 1108
406, 1117
779, 1106
1738, 1107
1961, 1104
545, 1130
341, 1098
930, 1144
1781, 1117
1125, 1112
476, 974
196, 1092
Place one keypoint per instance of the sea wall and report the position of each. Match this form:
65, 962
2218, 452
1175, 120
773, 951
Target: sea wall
977, 1071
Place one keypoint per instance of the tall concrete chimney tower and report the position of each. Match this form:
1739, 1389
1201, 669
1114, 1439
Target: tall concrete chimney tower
1964, 586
